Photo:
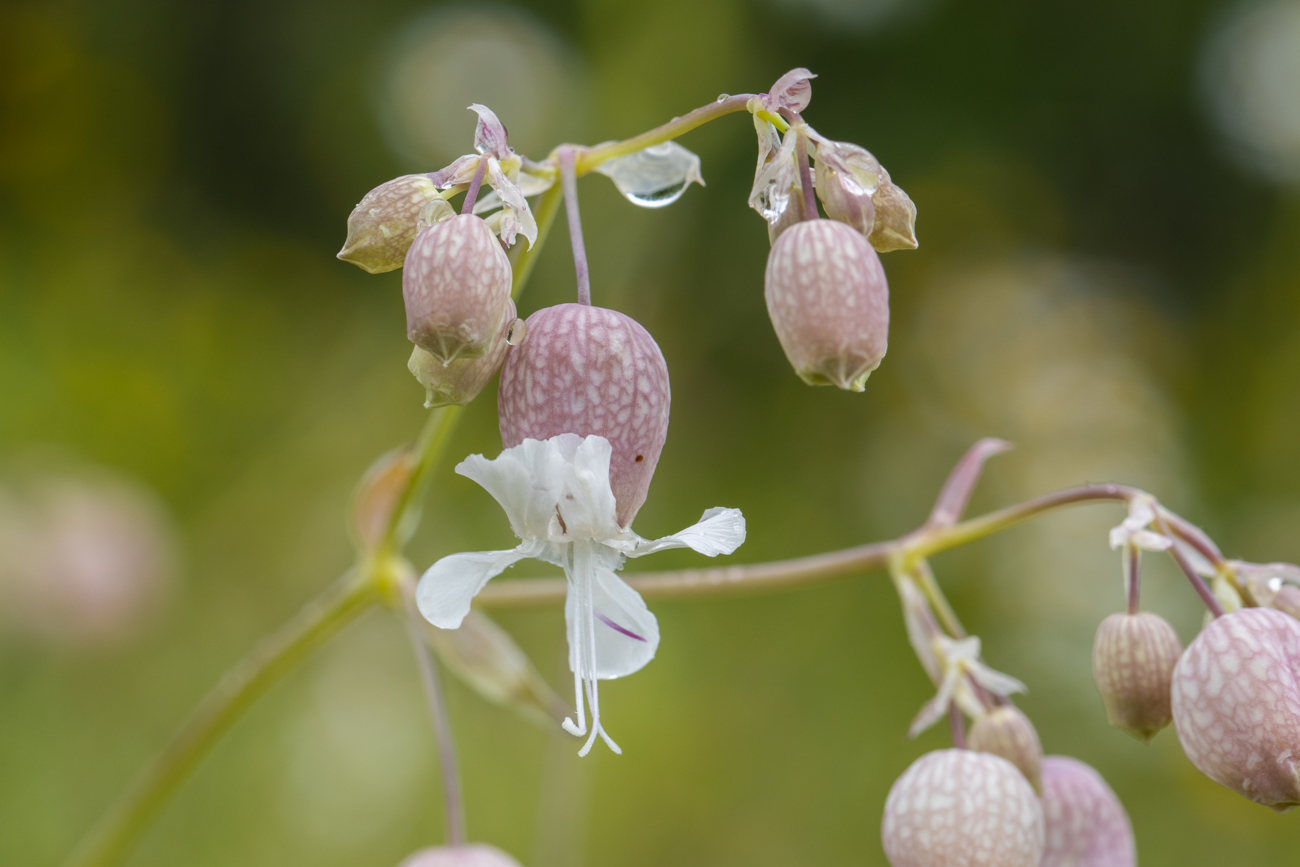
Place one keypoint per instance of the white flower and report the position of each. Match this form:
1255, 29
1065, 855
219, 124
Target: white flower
960, 663
1133, 530
557, 496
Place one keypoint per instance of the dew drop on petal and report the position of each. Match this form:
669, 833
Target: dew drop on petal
518, 330
655, 176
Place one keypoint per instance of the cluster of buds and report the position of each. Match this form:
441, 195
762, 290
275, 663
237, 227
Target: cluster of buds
826, 290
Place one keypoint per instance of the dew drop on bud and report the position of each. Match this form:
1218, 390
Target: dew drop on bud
1133, 659
962, 807
829, 302
468, 855
1236, 705
1087, 825
1007, 732
456, 284
460, 381
590, 371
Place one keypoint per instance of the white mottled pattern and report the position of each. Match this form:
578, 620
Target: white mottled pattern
1007, 732
1133, 659
456, 283
829, 303
958, 808
1236, 704
385, 222
590, 371
1087, 826
468, 855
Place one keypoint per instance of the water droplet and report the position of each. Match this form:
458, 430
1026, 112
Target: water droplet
655, 176
1275, 584
518, 330
723, 97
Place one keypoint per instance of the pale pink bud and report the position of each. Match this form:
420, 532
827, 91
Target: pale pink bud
468, 855
456, 282
383, 225
1287, 600
1005, 731
1133, 659
847, 177
1087, 826
895, 225
592, 372
958, 808
1236, 704
460, 381
829, 303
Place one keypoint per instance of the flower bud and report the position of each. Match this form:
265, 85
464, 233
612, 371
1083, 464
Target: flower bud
383, 225
895, 224
958, 807
1133, 659
1087, 826
467, 855
592, 372
1236, 705
847, 177
829, 303
460, 381
1287, 600
1005, 731
456, 282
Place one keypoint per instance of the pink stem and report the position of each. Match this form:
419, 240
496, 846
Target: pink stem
471, 195
1134, 555
568, 178
805, 179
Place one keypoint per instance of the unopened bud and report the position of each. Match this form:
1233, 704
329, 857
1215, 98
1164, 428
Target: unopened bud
383, 225
1287, 600
829, 303
1133, 659
1236, 705
895, 225
847, 177
377, 496
958, 807
468, 855
1087, 826
456, 282
1005, 731
460, 381
592, 372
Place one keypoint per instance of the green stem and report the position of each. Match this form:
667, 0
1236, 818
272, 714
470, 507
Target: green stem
780, 574
277, 654
587, 158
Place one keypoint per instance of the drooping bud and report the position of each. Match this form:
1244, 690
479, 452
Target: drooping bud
958, 807
456, 283
895, 225
460, 381
1087, 826
468, 855
592, 372
383, 225
847, 177
1287, 600
1133, 659
1236, 705
829, 303
1005, 731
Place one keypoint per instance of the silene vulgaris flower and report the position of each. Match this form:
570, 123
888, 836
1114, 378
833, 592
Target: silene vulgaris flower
557, 495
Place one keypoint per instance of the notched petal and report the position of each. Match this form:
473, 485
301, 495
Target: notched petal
719, 531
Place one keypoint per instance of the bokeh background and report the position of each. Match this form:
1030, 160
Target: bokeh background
190, 384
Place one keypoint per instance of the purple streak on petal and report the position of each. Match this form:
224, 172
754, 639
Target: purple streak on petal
614, 626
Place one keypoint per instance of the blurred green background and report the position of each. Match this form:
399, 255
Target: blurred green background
1109, 275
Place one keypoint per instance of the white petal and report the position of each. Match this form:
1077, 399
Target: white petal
527, 481
994, 681
934, 709
489, 133
719, 531
514, 200
627, 634
447, 588
587, 501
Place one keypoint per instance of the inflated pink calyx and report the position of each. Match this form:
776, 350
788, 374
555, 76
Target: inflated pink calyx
1236, 704
958, 808
1087, 826
592, 372
829, 302
456, 284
